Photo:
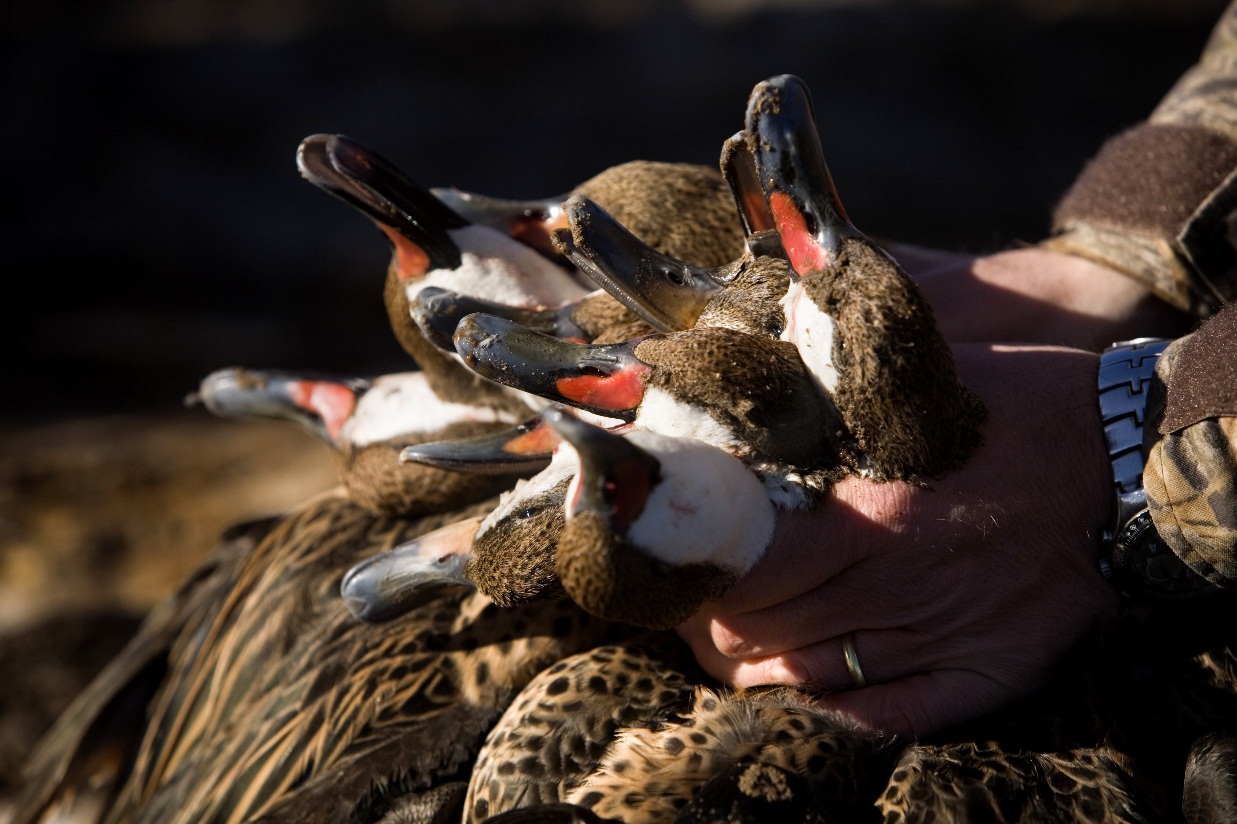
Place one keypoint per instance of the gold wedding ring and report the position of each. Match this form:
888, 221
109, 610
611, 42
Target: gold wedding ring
852, 660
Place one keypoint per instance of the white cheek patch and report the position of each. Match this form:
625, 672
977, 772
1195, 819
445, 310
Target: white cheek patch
403, 404
495, 267
563, 465
811, 331
660, 412
708, 507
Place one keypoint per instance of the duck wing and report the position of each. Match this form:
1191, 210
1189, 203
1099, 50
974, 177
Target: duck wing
290, 708
100, 731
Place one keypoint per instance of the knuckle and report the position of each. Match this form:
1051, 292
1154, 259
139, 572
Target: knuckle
730, 639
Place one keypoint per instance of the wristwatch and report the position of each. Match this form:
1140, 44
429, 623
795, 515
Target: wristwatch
1135, 558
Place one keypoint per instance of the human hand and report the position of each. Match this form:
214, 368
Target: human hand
962, 596
1036, 295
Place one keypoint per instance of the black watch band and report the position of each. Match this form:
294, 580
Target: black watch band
1135, 557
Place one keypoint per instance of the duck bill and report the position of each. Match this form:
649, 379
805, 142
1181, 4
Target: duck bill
320, 405
607, 380
415, 221
438, 312
739, 171
667, 293
528, 221
523, 449
615, 477
389, 585
790, 165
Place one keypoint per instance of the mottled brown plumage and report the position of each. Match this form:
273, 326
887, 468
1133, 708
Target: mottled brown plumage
968, 782
899, 392
512, 559
606, 575
378, 481
756, 387
636, 733
680, 209
269, 664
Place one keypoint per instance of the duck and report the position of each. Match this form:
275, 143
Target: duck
635, 527
862, 326
434, 246
668, 293
368, 422
254, 693
683, 209
656, 525
981, 781
507, 554
595, 318
747, 394
634, 731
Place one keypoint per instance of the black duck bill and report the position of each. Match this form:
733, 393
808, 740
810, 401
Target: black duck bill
438, 312
524, 449
615, 476
605, 379
667, 293
386, 586
784, 146
410, 216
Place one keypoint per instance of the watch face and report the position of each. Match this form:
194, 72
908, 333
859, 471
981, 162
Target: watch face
1147, 566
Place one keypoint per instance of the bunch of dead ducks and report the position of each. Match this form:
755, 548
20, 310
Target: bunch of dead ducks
474, 626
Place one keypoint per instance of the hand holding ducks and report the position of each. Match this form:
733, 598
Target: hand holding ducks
961, 596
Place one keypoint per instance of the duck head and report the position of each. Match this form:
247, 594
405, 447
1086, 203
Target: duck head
671, 294
655, 525
384, 587
595, 317
366, 422
861, 325
431, 246
747, 394
681, 209
508, 555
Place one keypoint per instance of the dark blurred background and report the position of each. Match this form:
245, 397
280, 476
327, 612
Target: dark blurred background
155, 227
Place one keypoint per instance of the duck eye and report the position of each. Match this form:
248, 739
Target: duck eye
527, 513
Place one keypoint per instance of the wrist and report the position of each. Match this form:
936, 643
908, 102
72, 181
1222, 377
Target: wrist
1134, 557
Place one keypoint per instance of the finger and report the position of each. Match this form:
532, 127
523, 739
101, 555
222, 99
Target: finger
810, 547
876, 594
921, 704
881, 655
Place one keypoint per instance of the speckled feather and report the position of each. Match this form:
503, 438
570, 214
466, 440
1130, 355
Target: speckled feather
899, 392
681, 209
275, 665
755, 386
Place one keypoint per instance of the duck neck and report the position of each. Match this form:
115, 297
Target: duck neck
898, 392
450, 379
613, 579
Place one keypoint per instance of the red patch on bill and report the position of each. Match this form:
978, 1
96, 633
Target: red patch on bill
329, 401
618, 392
806, 255
410, 259
538, 440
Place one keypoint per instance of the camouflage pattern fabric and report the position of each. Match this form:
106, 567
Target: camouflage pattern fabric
1167, 223
1191, 459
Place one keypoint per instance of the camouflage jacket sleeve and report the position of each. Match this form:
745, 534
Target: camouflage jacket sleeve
1157, 201
1190, 443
